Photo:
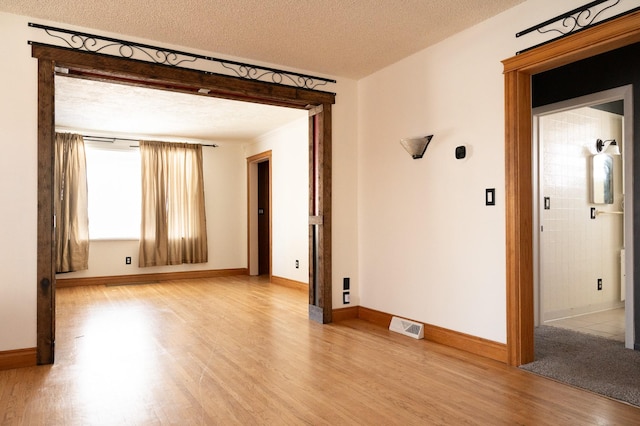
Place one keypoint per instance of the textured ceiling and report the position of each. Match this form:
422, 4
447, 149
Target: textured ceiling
341, 38
98, 108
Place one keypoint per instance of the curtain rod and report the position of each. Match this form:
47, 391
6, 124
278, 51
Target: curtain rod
110, 139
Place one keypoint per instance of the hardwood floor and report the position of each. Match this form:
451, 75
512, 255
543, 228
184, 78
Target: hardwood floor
237, 350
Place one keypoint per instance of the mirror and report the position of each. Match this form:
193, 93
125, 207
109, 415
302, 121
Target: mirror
602, 179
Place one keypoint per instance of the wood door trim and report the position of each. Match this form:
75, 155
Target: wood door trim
146, 74
45, 306
320, 267
126, 71
518, 164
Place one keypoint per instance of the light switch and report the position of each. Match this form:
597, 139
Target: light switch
490, 197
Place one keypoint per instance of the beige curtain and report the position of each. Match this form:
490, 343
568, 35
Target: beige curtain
173, 228
70, 204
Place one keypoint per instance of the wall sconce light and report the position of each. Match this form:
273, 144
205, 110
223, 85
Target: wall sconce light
416, 146
610, 146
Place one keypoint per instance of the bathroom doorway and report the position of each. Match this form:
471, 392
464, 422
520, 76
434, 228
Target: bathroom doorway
581, 277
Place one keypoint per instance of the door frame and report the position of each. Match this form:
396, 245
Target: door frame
147, 74
252, 213
518, 71
625, 94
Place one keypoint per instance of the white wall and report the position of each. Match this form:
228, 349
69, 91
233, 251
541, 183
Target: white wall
226, 212
18, 186
344, 175
430, 249
289, 146
576, 250
18, 182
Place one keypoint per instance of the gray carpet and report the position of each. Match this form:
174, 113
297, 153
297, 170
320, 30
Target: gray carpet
590, 362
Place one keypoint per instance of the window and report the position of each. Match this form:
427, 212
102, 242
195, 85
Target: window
113, 180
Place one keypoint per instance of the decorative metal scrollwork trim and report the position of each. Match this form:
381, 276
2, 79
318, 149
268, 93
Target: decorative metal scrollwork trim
102, 45
573, 21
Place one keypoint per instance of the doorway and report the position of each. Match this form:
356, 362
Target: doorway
107, 68
259, 213
581, 279
518, 71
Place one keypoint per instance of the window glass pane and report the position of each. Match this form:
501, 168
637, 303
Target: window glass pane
113, 179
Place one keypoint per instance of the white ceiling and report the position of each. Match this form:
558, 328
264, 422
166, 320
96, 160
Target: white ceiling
338, 38
99, 108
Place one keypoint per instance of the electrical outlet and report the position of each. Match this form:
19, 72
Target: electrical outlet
345, 298
599, 284
297, 264
127, 260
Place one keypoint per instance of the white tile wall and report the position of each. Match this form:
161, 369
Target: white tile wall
576, 250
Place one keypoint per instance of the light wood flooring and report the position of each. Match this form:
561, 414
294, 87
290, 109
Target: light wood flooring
237, 350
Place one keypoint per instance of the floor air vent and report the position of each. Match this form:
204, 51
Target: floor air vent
406, 327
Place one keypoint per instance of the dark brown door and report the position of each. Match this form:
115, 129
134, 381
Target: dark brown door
264, 240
